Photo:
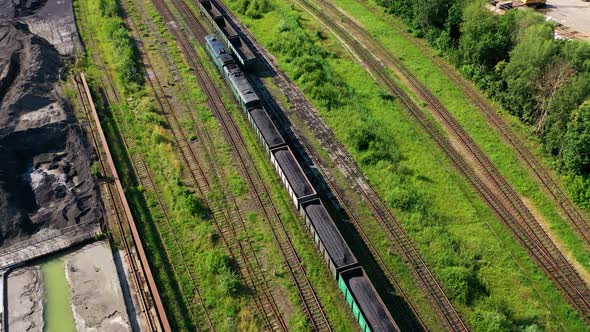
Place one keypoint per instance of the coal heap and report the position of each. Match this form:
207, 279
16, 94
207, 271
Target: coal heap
45, 158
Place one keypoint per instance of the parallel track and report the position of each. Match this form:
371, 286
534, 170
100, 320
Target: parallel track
149, 297
503, 200
247, 259
117, 214
351, 169
568, 209
145, 178
307, 293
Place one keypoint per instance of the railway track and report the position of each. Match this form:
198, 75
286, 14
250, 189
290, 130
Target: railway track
231, 130
149, 299
350, 168
358, 225
485, 178
540, 172
551, 186
223, 218
307, 293
145, 178
117, 214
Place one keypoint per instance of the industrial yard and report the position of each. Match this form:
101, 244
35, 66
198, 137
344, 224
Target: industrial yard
572, 15
294, 165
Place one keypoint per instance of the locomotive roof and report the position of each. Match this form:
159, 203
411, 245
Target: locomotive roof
219, 49
240, 82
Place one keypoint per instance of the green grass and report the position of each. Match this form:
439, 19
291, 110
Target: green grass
190, 225
200, 244
474, 122
518, 290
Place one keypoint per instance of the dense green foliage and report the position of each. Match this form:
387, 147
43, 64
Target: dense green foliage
517, 60
309, 62
252, 8
121, 43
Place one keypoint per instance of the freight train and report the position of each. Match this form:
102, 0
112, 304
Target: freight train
367, 306
227, 32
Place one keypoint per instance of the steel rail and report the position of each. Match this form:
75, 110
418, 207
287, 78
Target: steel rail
143, 300
161, 312
514, 212
142, 172
215, 102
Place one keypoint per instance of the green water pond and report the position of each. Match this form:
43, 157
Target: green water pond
58, 297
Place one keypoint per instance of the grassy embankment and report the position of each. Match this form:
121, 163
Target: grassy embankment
485, 271
191, 226
474, 122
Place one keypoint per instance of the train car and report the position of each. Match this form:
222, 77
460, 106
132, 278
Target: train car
216, 48
240, 86
211, 13
267, 132
232, 73
366, 304
245, 55
227, 32
327, 237
299, 187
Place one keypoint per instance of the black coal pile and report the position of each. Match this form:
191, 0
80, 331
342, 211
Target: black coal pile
19, 8
45, 158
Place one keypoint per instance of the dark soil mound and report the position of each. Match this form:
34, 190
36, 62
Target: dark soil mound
45, 178
19, 8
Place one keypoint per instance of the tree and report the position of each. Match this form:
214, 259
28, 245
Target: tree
484, 41
576, 144
546, 87
565, 101
528, 62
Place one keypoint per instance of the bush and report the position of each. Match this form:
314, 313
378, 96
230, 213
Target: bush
463, 284
252, 8
95, 170
122, 48
517, 60
308, 60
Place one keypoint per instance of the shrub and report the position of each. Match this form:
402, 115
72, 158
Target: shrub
516, 58
95, 170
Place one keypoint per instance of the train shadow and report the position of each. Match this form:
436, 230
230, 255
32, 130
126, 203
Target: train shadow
396, 304
398, 307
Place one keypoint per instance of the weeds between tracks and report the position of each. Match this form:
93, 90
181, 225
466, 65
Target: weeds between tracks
430, 177
256, 182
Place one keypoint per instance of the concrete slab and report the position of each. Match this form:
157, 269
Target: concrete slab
97, 297
574, 15
47, 242
25, 300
